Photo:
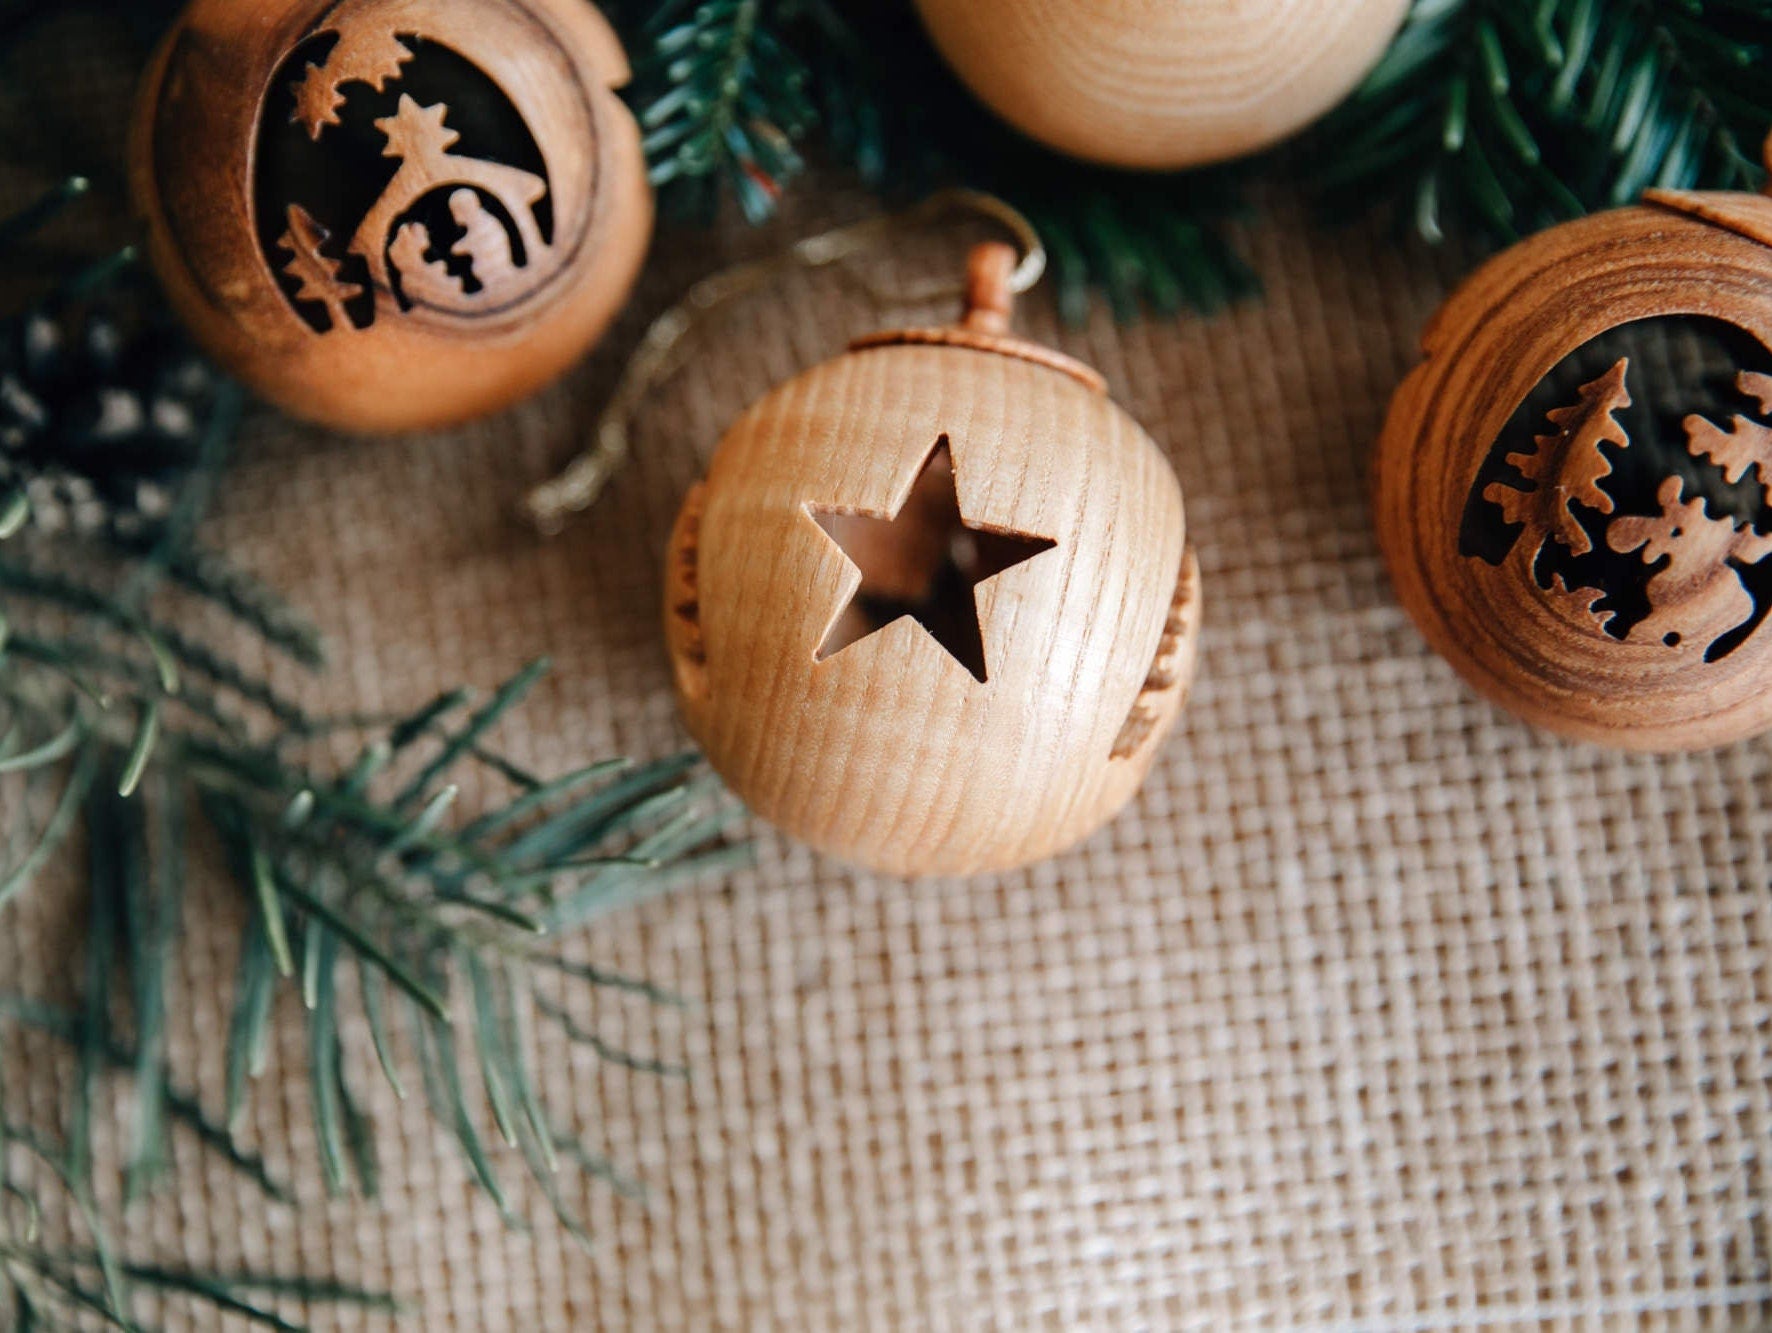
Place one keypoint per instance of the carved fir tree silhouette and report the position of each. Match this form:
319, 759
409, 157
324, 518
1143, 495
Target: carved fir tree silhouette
1567, 467
420, 139
317, 273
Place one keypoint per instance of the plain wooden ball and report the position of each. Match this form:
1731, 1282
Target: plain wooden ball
1161, 84
932, 610
1574, 490
390, 214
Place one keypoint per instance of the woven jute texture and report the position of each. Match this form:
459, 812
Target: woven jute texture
1376, 1011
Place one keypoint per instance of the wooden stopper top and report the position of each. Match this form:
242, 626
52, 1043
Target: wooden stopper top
989, 298
984, 326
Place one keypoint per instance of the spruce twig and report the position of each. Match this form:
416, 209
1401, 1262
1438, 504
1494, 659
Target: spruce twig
115, 716
1508, 116
726, 90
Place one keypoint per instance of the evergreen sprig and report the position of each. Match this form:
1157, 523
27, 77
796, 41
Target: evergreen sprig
364, 886
1513, 114
725, 90
1498, 116
721, 98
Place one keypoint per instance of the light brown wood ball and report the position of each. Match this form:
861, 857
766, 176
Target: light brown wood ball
390, 214
847, 658
1574, 490
1161, 84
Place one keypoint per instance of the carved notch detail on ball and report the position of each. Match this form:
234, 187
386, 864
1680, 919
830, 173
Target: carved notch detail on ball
926, 561
1637, 513
1172, 668
390, 163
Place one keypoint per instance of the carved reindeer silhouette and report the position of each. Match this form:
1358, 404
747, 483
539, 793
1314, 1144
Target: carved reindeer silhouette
419, 138
1691, 601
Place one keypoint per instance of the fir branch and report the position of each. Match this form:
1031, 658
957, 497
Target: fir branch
105, 607
1514, 116
721, 100
182, 1106
1141, 239
343, 869
48, 1281
210, 577
725, 89
115, 716
425, 909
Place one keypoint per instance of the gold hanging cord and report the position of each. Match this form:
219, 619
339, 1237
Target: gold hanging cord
663, 351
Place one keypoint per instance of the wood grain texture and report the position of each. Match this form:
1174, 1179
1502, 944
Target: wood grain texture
1535, 644
392, 214
889, 752
1161, 84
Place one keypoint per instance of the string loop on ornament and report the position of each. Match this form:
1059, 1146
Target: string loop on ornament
662, 349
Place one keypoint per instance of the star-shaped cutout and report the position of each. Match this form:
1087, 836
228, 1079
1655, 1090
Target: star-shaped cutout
364, 54
925, 561
417, 133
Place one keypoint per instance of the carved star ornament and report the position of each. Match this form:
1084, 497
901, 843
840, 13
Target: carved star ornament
925, 561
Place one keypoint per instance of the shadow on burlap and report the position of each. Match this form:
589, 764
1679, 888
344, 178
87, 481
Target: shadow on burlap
1376, 1010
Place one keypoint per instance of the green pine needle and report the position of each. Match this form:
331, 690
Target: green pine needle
728, 91
1507, 117
116, 718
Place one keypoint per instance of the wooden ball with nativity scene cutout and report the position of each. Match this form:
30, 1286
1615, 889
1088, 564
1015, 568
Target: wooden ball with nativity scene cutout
390, 214
933, 611
1574, 491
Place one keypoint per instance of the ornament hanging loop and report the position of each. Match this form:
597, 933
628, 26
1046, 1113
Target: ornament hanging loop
1028, 256
1013, 270
997, 273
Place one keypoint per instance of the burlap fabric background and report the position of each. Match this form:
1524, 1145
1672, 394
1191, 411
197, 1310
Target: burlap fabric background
1377, 1011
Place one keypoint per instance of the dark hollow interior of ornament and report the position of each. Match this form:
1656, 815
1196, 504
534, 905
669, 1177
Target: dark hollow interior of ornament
925, 562
1679, 368
338, 178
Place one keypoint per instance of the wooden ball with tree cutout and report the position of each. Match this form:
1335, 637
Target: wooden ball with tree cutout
1574, 490
1133, 83
933, 610
392, 214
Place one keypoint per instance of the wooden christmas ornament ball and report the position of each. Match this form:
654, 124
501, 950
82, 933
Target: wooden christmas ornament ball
391, 214
1161, 84
1574, 490
932, 610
